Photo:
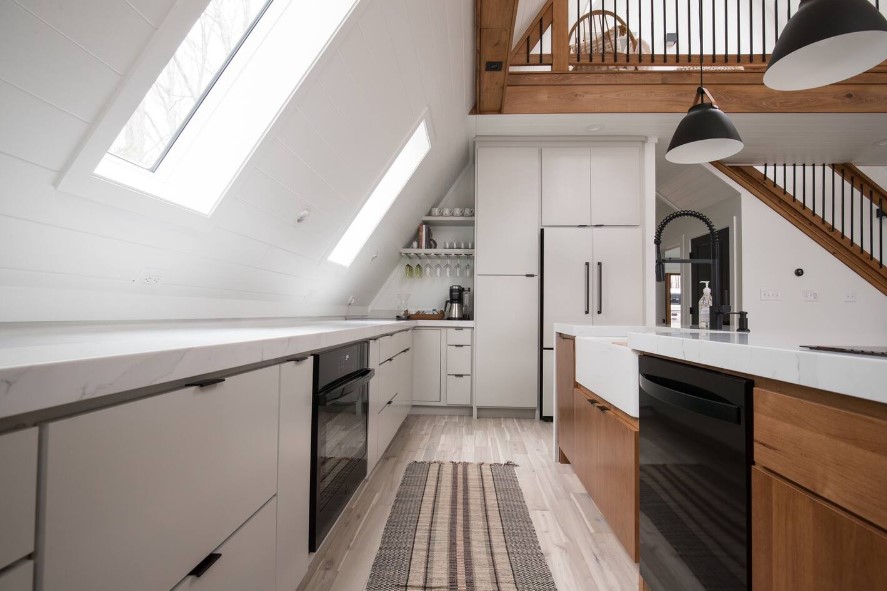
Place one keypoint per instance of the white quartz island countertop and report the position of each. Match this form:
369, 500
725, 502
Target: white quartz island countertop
777, 358
48, 365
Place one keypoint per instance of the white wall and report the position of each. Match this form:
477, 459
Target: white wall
73, 257
773, 249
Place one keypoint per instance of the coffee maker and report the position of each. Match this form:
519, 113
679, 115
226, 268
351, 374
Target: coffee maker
455, 308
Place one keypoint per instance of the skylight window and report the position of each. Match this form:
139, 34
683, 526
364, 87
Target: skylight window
186, 80
211, 105
382, 197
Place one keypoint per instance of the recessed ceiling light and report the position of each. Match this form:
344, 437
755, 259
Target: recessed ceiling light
881, 142
594, 128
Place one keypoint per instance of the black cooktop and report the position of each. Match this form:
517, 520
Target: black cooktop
863, 350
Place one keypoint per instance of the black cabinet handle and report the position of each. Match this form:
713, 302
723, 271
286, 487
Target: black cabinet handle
587, 286
600, 288
205, 383
593, 402
300, 359
205, 564
603, 408
390, 401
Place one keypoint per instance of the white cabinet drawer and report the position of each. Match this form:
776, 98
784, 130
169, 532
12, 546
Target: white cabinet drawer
18, 494
402, 341
459, 390
138, 494
18, 578
458, 336
386, 347
458, 359
246, 559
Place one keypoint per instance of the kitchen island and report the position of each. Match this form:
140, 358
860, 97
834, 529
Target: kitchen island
817, 449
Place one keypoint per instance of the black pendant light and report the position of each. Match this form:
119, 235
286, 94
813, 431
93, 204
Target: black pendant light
827, 41
705, 134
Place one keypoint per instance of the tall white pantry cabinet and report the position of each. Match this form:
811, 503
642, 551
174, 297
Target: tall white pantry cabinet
560, 238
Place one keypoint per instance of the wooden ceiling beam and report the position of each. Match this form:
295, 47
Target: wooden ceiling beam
495, 29
673, 92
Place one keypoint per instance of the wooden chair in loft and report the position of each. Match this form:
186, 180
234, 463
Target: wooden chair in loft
601, 33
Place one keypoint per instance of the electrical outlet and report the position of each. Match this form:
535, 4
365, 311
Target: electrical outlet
810, 295
850, 297
770, 295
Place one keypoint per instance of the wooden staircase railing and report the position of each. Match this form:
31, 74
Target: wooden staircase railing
836, 205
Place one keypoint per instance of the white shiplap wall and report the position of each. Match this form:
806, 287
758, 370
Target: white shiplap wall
68, 257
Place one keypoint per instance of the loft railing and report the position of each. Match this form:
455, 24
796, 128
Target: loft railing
657, 34
839, 197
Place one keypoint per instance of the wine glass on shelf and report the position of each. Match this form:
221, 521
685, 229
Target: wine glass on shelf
428, 269
447, 268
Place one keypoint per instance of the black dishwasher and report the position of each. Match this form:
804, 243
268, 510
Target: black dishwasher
695, 478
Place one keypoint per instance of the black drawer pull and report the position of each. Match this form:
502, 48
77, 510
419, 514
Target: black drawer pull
593, 402
300, 359
205, 383
205, 565
390, 402
603, 408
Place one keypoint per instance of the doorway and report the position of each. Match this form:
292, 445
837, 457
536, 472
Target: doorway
700, 248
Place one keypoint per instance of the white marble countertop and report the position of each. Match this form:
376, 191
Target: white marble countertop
587, 330
777, 358
47, 365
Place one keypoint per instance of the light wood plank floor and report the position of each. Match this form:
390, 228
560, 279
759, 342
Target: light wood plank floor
582, 552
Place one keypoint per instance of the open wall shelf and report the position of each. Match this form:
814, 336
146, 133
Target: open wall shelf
448, 220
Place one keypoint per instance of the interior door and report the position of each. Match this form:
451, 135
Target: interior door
566, 278
618, 277
507, 341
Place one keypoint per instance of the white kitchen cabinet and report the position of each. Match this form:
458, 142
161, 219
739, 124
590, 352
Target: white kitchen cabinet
458, 359
547, 383
18, 494
19, 577
293, 466
506, 342
427, 354
507, 210
138, 494
566, 186
618, 277
459, 390
458, 336
616, 174
245, 560
566, 278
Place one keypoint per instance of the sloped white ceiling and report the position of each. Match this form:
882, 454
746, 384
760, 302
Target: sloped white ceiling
66, 257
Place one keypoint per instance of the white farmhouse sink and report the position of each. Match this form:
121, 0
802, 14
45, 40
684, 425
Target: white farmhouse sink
607, 367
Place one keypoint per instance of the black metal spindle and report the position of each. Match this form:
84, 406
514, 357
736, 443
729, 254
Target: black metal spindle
871, 225
775, 22
763, 28
528, 49
881, 232
751, 31
861, 220
794, 182
665, 32
628, 29
714, 48
640, 30
726, 34
540, 41
852, 224
843, 205
738, 31
833, 200
804, 185
765, 171
652, 34
578, 28
677, 41
615, 38
784, 179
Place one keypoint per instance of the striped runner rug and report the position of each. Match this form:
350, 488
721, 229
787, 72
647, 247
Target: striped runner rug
460, 526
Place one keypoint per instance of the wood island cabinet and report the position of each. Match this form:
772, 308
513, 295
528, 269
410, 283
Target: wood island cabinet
565, 379
819, 491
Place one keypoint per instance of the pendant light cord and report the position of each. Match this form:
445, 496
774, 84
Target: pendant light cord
701, 58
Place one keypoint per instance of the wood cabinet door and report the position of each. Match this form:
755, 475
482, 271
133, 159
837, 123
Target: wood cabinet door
616, 185
617, 277
802, 542
566, 186
564, 382
617, 480
508, 202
